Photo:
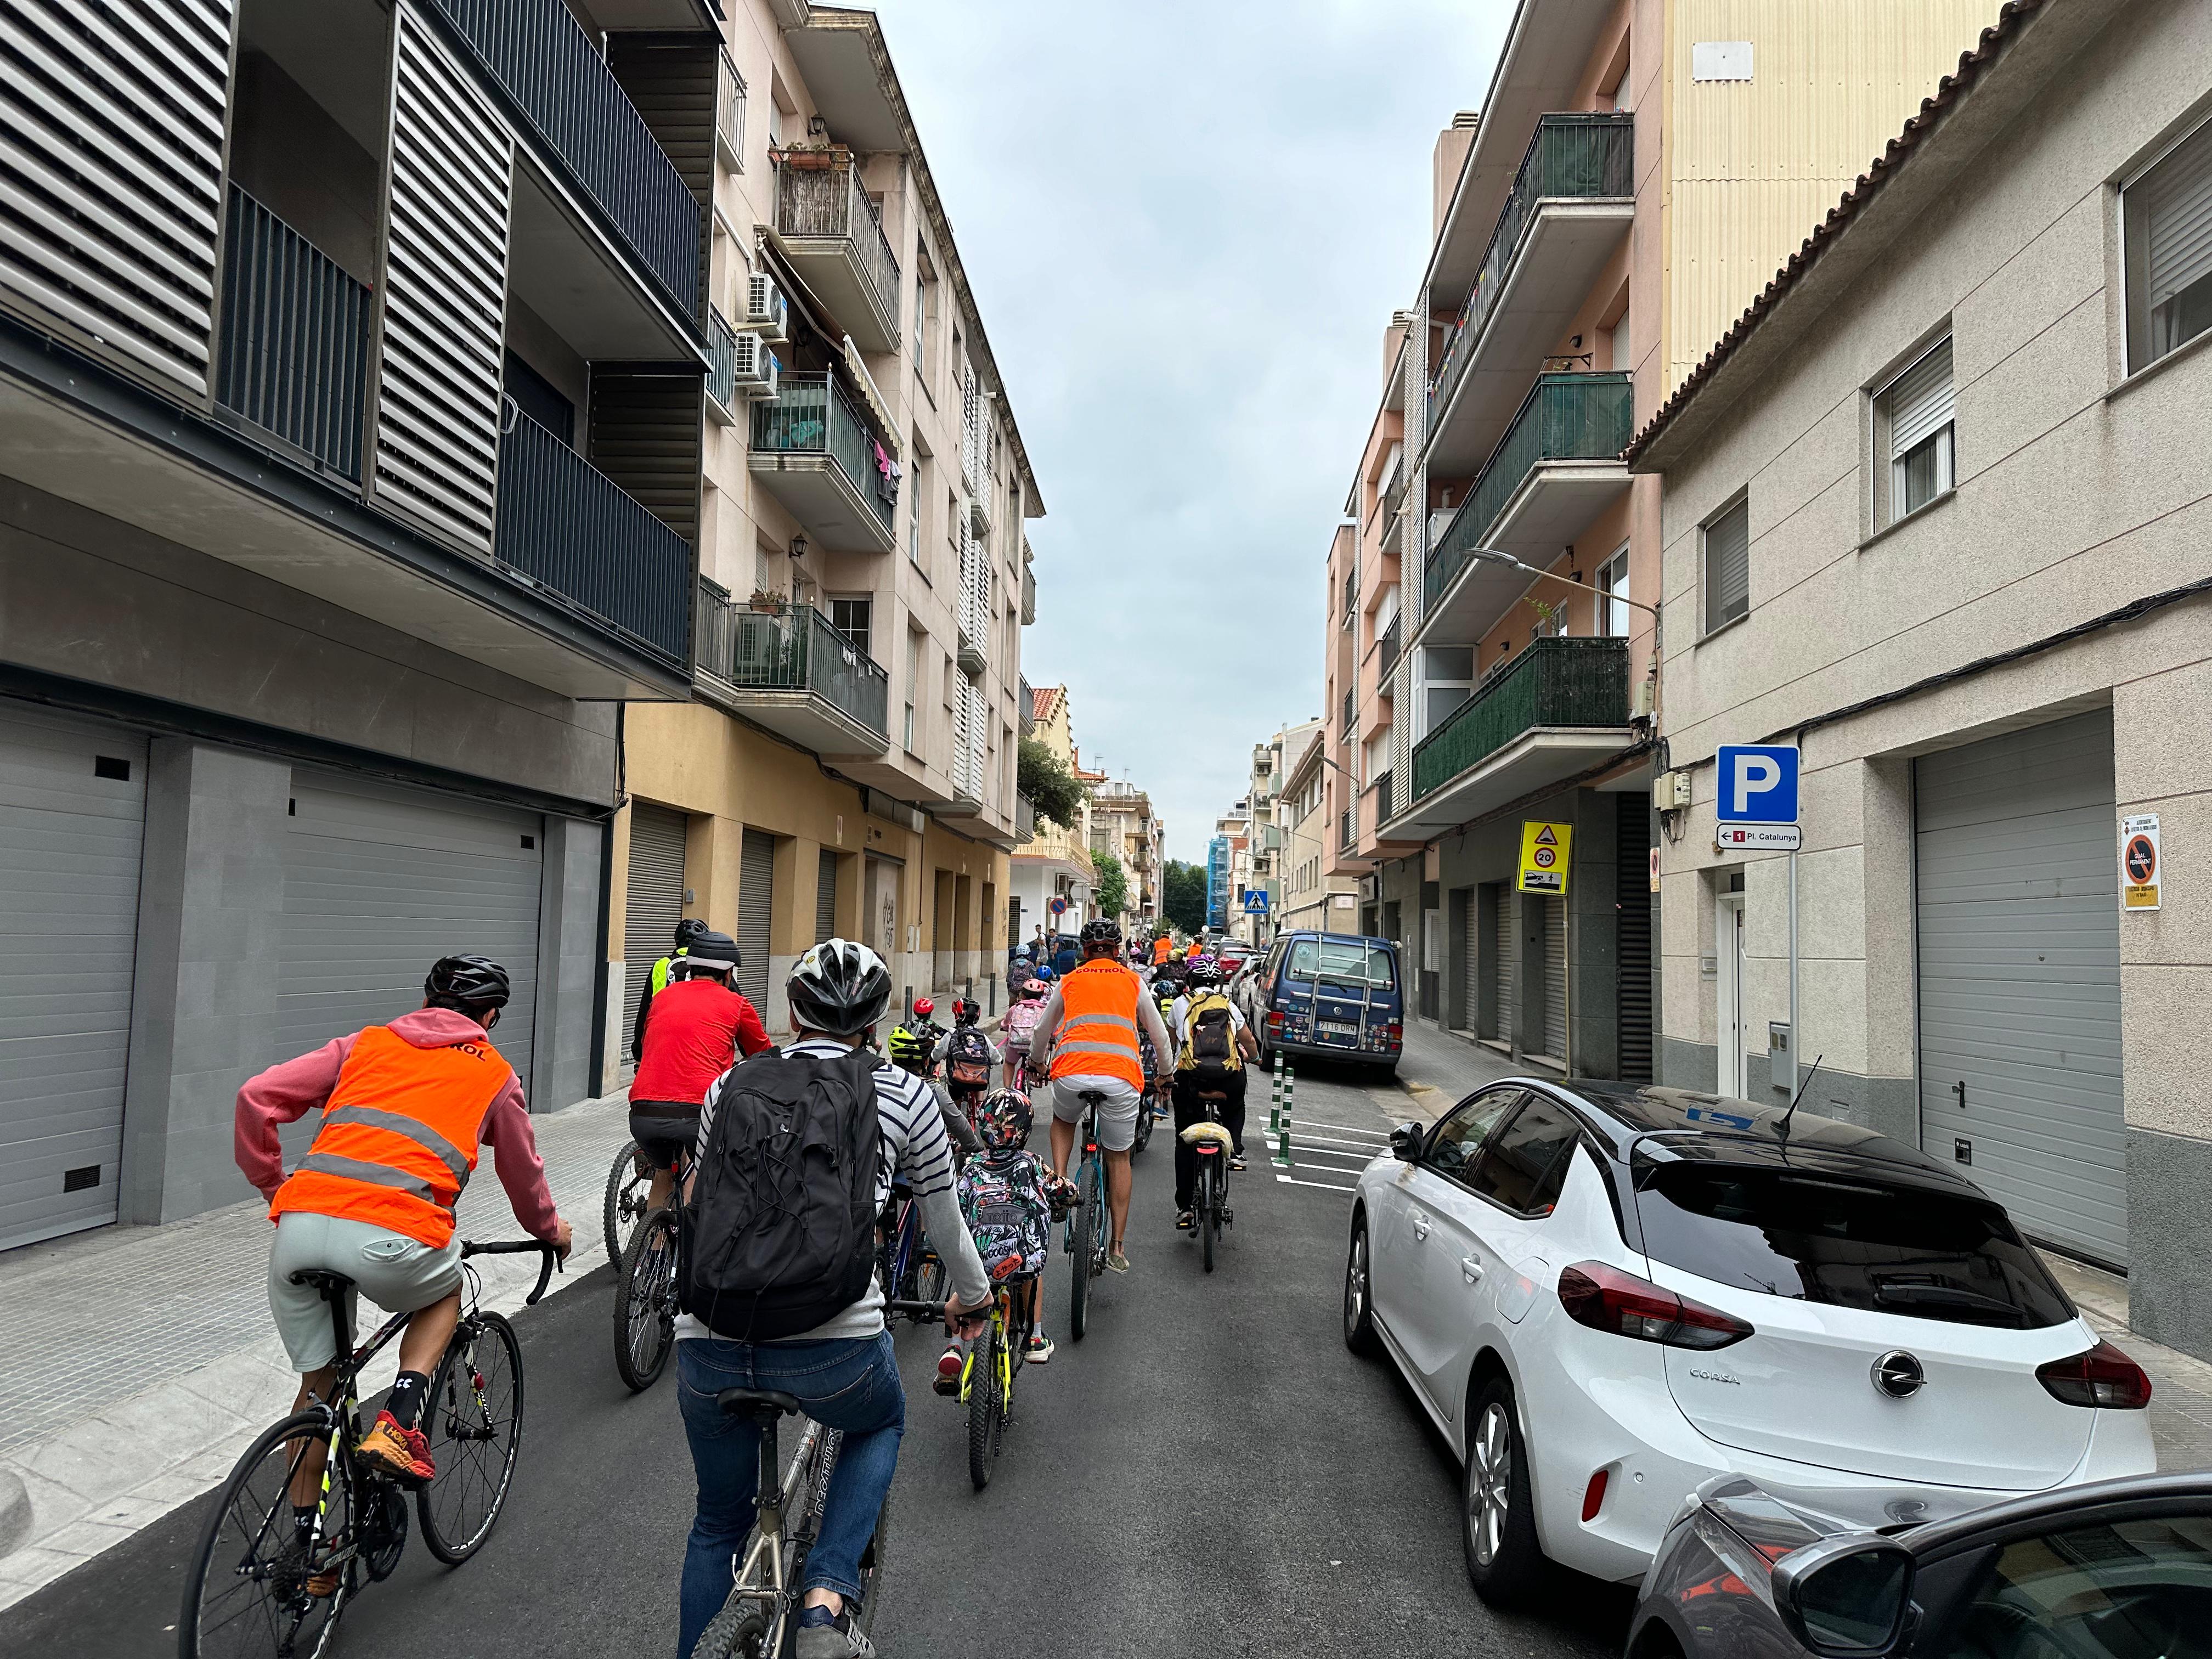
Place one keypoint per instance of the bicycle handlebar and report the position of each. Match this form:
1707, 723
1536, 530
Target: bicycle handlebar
522, 1247
917, 1309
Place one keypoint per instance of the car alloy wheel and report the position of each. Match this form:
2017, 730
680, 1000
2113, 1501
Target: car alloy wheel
1358, 1311
1490, 1492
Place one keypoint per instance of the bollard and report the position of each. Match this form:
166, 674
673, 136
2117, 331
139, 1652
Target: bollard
1283, 1123
1275, 1102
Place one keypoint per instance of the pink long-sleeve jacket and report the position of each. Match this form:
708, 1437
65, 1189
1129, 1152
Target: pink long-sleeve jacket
289, 1091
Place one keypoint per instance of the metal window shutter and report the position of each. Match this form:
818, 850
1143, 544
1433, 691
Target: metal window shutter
69, 846
1728, 565
379, 884
1470, 1000
2020, 976
1920, 400
1632, 877
1508, 955
654, 904
826, 898
755, 910
1555, 977
2178, 219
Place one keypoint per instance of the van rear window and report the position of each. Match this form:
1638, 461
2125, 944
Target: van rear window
1848, 1240
1344, 961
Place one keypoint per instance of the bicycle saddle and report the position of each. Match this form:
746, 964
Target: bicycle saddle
1092, 1097
1200, 1134
761, 1405
330, 1284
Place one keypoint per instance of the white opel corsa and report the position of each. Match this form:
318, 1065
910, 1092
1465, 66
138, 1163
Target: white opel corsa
1605, 1294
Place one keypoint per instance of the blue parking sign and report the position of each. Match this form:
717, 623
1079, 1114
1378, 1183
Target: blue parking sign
1758, 784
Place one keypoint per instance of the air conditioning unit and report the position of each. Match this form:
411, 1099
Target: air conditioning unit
754, 374
766, 309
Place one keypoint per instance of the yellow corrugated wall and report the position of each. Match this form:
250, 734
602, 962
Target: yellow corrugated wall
1754, 166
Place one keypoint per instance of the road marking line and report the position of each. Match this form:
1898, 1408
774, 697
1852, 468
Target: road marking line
1361, 1159
1346, 1128
1327, 1186
1352, 1148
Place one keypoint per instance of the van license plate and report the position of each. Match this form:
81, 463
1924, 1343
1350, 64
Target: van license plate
1331, 1028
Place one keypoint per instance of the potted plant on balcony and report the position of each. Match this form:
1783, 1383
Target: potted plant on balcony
812, 158
767, 601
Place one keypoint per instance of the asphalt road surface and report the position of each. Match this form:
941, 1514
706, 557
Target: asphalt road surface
1209, 1472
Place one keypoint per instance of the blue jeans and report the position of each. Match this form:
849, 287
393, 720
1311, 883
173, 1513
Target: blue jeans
850, 1383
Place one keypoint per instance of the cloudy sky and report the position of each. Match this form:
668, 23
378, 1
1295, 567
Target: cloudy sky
1187, 222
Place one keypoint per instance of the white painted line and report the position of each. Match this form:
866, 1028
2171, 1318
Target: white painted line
1327, 1186
1353, 1147
1299, 1152
1297, 1123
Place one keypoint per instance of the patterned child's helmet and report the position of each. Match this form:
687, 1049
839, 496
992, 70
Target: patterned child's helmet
1004, 1120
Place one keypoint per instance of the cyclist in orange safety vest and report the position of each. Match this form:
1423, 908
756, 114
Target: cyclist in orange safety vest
1163, 948
404, 1108
1089, 1028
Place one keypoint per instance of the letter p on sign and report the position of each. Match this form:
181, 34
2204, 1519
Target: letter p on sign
1758, 784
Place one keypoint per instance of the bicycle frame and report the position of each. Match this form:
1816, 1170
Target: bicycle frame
775, 1557
1090, 1173
1002, 1347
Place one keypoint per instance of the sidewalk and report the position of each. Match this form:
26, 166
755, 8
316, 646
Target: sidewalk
142, 1360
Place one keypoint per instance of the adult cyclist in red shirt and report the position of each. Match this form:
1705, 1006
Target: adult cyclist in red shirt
697, 1029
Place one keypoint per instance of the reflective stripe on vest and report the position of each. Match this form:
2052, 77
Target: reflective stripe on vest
399, 1136
1097, 1034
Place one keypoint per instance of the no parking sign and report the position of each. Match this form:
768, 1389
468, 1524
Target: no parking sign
2139, 862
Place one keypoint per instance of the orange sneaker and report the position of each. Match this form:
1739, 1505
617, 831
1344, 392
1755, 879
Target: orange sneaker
401, 1452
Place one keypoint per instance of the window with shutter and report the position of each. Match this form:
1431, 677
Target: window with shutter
1728, 566
1914, 432
2167, 212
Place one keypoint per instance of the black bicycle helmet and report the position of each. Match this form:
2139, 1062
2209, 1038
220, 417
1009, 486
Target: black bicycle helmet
466, 983
715, 952
838, 987
1102, 932
688, 930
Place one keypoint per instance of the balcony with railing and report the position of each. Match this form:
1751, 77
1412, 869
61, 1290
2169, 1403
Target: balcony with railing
558, 82
833, 234
1572, 202
1025, 820
1545, 716
1381, 790
817, 453
576, 534
730, 115
1386, 654
1556, 468
786, 666
294, 339
722, 400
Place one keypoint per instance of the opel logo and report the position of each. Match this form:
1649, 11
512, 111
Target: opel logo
1898, 1375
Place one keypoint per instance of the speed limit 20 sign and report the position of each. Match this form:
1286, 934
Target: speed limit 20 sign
2139, 862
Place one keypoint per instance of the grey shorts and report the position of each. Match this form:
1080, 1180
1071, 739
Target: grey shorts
398, 1274
1117, 1115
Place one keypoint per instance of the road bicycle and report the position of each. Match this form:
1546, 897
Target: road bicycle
760, 1620
1210, 1208
995, 1358
262, 1583
1089, 1223
629, 1186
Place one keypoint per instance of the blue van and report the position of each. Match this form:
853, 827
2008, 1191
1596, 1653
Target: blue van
1334, 996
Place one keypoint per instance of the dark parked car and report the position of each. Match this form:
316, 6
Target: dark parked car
2117, 1570
1336, 996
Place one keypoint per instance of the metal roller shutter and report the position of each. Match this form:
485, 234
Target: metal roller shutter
379, 884
1471, 965
1507, 957
2019, 977
654, 904
826, 898
1632, 874
756, 909
1555, 978
72, 816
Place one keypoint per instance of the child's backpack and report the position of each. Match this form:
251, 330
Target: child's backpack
1008, 1212
967, 1061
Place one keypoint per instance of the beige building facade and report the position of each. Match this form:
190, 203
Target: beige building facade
846, 764
1055, 864
1936, 512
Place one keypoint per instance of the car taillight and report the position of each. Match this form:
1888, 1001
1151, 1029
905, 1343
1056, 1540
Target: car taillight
1397, 1034
1607, 1299
2103, 1376
1276, 1020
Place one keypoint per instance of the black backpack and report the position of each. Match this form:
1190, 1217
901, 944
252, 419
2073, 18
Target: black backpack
1209, 1040
780, 1233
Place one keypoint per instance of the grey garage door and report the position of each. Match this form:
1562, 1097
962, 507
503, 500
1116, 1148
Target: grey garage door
655, 902
1509, 951
1470, 966
379, 884
2020, 978
72, 814
756, 907
1555, 976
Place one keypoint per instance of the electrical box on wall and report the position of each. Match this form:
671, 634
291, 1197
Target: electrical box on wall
1670, 790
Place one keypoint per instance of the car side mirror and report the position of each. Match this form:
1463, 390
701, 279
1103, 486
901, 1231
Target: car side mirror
1406, 1142
1846, 1598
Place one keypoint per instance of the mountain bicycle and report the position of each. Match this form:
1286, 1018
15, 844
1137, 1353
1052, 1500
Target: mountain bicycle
645, 1299
629, 1186
1087, 1225
986, 1382
1213, 1144
760, 1620
263, 1584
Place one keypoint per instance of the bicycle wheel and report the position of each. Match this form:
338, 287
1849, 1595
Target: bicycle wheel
473, 1418
872, 1569
645, 1305
934, 1282
627, 1187
738, 1631
1209, 1206
248, 1592
1143, 1125
982, 1404
1079, 1255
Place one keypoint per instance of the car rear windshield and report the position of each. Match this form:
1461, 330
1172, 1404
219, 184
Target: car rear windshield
1345, 962
1849, 1241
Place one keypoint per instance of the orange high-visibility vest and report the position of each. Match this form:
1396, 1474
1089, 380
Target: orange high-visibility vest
1163, 948
399, 1134
1197, 949
1097, 1034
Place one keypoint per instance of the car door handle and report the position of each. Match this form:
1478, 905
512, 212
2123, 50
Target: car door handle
1470, 1270
1420, 1226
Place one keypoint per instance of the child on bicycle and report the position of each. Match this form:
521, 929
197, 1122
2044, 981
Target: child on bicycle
1010, 1201
1015, 1026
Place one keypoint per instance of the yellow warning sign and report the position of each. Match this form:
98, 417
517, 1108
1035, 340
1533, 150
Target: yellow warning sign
1544, 856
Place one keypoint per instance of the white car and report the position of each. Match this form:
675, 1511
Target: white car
1606, 1294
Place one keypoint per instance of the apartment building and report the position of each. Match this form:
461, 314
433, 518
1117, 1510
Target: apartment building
846, 764
1314, 894
1056, 863
1936, 512
340, 351
1123, 825
1635, 173
1254, 918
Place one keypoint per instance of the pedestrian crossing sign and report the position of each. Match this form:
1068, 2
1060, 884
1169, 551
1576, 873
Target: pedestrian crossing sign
1544, 858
